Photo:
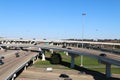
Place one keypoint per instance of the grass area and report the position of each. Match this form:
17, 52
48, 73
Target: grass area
91, 63
46, 64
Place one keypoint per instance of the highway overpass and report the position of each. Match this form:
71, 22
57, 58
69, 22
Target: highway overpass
108, 60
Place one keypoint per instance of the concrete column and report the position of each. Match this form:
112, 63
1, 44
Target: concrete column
51, 43
8, 42
36, 57
14, 75
1, 48
71, 45
113, 47
43, 54
72, 61
77, 45
25, 68
2, 42
65, 44
33, 61
90, 46
40, 51
58, 44
66, 53
68, 44
102, 46
51, 50
108, 70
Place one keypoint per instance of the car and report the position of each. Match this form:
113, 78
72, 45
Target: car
2, 57
63, 46
17, 54
1, 62
35, 43
69, 48
64, 76
103, 55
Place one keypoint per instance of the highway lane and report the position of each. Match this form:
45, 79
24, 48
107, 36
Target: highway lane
10, 57
7, 53
12, 63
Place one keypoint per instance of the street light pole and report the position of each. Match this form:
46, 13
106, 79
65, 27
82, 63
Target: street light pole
83, 14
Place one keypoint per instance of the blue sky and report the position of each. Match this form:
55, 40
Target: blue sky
58, 19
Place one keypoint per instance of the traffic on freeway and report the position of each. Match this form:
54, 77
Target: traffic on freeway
12, 61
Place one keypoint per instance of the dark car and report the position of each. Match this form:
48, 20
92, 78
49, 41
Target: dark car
63, 46
17, 54
1, 62
69, 48
2, 57
64, 76
103, 55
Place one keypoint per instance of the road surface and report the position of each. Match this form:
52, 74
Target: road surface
11, 62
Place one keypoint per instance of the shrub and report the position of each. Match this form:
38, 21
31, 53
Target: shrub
55, 58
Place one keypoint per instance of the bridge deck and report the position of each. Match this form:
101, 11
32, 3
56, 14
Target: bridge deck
110, 58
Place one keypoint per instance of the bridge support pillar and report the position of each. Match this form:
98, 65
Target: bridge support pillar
108, 70
33, 60
43, 54
1, 48
77, 45
66, 53
14, 75
25, 68
72, 61
51, 50
36, 57
113, 47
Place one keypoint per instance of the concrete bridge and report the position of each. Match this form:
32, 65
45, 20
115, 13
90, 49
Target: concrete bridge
76, 50
108, 60
67, 43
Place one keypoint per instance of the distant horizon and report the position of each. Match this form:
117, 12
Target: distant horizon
60, 19
62, 39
